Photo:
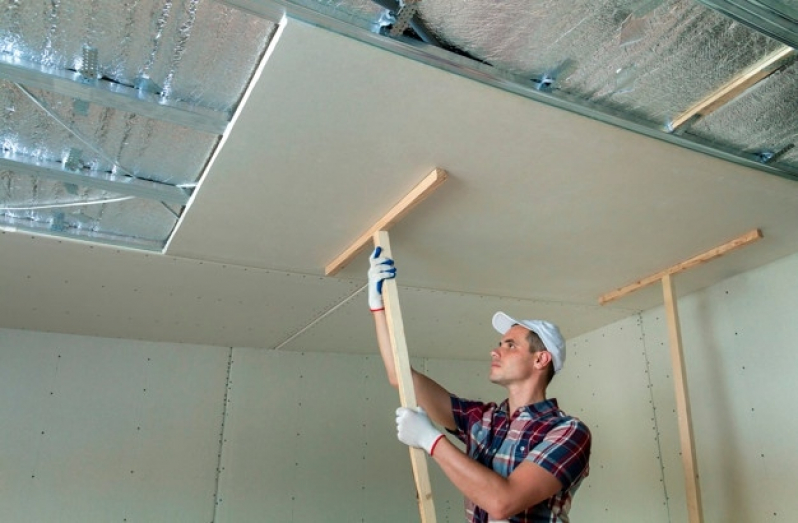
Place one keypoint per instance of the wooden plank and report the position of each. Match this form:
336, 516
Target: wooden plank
407, 394
689, 464
704, 257
413, 198
735, 87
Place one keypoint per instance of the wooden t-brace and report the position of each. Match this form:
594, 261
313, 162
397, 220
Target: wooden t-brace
407, 395
680, 382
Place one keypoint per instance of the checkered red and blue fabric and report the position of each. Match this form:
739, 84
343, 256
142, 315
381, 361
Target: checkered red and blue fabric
540, 433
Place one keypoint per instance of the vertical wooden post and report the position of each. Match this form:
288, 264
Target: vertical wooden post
689, 465
407, 394
691, 482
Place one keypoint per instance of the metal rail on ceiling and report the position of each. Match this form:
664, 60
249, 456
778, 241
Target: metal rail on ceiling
126, 185
109, 94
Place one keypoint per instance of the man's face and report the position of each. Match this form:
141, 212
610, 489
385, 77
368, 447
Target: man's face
512, 360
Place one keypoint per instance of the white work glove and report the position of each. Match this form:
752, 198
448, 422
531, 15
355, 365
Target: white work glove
414, 428
380, 269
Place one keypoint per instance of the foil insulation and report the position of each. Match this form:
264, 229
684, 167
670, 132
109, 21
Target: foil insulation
196, 54
650, 60
198, 51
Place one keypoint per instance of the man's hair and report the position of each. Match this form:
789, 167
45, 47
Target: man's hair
536, 345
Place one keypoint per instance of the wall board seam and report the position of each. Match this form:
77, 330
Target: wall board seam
217, 480
654, 415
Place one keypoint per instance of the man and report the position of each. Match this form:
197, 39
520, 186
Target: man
524, 458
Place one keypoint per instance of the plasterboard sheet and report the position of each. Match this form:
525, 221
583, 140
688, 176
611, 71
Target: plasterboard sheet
541, 204
605, 383
108, 430
738, 338
310, 435
102, 291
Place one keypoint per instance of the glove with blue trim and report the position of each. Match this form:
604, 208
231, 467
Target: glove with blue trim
380, 269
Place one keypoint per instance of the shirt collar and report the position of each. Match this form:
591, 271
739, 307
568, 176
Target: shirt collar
546, 407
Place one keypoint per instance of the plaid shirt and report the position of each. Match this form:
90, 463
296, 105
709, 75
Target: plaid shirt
540, 433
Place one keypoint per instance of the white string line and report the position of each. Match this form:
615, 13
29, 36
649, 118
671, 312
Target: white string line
317, 320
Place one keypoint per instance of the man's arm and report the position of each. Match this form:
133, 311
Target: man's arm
429, 394
567, 449
501, 497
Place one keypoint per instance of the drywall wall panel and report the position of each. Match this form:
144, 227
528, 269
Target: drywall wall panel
739, 339
311, 437
605, 383
657, 348
98, 430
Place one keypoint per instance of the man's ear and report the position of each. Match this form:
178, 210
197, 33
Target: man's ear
543, 359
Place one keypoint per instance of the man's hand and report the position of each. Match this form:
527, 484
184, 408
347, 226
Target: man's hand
414, 428
380, 269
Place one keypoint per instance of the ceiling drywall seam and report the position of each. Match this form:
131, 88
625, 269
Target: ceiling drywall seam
474, 70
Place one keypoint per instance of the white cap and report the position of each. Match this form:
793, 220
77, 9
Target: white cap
548, 332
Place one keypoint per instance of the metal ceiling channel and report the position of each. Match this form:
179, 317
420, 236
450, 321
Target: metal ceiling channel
109, 111
125, 185
775, 18
112, 95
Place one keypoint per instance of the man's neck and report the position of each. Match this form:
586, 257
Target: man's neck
521, 395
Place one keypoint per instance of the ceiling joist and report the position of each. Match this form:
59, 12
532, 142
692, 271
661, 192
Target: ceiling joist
110, 94
125, 185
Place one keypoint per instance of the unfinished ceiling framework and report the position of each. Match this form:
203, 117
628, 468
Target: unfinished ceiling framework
112, 111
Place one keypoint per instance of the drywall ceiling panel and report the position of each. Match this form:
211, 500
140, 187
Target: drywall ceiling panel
68, 287
542, 204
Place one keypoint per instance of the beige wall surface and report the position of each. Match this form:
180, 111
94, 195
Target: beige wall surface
311, 437
739, 339
102, 430
98, 430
